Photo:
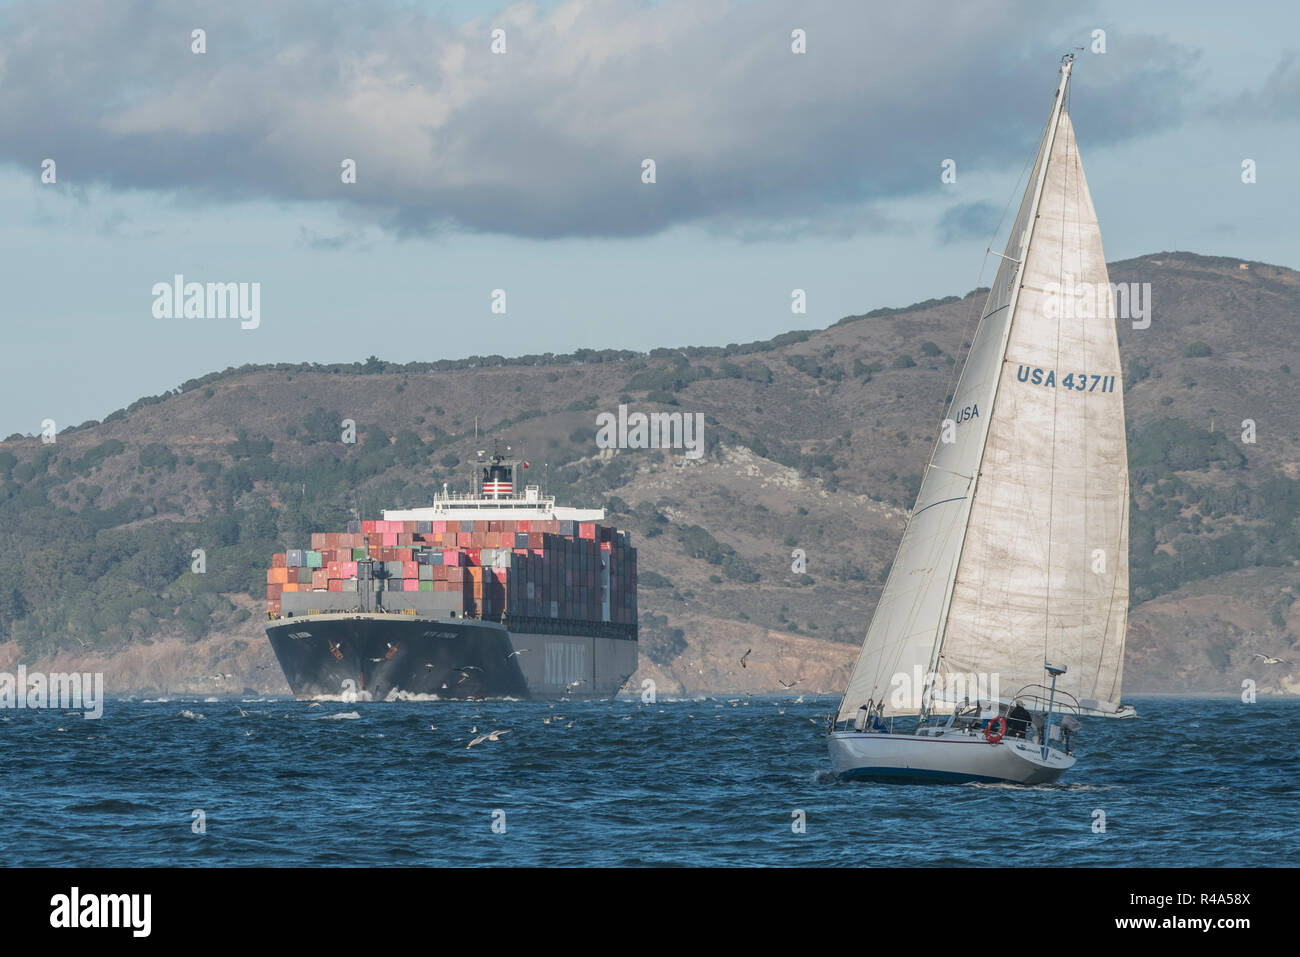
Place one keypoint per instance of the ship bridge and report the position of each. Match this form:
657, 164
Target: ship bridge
499, 494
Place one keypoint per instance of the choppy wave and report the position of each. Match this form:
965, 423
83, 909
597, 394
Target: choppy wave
678, 782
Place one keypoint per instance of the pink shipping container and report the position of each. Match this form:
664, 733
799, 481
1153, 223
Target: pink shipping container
410, 584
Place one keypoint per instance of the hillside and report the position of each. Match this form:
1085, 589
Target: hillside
815, 441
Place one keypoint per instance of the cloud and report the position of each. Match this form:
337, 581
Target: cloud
548, 139
1274, 101
312, 239
968, 221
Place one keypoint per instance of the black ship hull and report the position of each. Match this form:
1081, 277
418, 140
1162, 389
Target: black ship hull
381, 656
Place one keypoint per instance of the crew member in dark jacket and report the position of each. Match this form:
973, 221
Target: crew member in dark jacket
1018, 720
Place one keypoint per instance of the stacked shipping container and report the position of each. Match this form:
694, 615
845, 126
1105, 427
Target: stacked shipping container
519, 568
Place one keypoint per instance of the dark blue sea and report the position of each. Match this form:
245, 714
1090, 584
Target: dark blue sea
698, 782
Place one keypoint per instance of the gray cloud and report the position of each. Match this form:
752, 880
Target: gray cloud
548, 139
968, 221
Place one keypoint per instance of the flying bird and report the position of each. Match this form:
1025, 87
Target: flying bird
490, 736
744, 656
1270, 660
517, 651
314, 704
787, 685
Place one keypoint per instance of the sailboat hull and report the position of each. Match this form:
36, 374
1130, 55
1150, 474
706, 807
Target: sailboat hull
954, 758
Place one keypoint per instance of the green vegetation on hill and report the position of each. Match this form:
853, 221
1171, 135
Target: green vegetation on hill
100, 527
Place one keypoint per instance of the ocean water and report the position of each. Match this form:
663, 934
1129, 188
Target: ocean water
698, 782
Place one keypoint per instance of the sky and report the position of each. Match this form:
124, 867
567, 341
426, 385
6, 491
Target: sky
523, 170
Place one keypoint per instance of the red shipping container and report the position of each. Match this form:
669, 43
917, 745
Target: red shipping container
587, 530
411, 570
335, 584
450, 558
277, 560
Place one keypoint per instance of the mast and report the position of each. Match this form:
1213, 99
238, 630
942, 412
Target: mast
912, 619
1067, 61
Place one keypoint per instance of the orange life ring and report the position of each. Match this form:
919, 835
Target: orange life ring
989, 736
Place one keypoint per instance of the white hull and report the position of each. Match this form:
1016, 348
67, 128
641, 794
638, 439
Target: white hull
954, 757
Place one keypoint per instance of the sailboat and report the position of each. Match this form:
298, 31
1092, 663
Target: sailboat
1003, 617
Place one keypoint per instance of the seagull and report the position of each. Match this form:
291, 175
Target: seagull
314, 704
743, 657
248, 733
787, 685
242, 712
433, 727
569, 725
1270, 660
490, 736
428, 666
376, 659
518, 651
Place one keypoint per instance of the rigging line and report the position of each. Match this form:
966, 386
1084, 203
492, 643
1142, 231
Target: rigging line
949, 391
970, 313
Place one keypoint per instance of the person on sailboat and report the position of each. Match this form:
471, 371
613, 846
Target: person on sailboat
1018, 720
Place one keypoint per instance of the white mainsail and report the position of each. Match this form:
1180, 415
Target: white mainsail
1016, 551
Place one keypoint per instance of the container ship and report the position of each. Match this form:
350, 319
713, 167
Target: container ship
497, 593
